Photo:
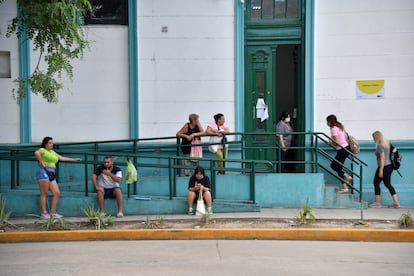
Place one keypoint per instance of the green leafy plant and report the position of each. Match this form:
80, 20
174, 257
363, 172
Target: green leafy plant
97, 218
205, 218
55, 28
53, 224
306, 216
362, 222
406, 220
4, 216
158, 223
160, 220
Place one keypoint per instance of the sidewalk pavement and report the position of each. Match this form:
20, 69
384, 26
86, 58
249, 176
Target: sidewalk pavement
298, 233
380, 214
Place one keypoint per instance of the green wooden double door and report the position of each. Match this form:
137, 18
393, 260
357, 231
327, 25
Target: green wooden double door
273, 77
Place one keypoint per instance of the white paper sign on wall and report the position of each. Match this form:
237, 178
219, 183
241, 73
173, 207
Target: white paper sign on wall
370, 89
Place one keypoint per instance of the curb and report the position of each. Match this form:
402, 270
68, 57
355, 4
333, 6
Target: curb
317, 234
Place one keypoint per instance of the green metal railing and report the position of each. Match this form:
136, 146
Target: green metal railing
164, 153
320, 137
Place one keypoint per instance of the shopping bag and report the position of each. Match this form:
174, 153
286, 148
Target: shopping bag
213, 141
201, 208
131, 173
196, 149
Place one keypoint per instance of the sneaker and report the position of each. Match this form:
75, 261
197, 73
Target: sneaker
374, 205
396, 206
119, 215
57, 215
209, 211
190, 211
45, 215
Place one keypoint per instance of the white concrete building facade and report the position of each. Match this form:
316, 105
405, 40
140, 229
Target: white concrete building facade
188, 54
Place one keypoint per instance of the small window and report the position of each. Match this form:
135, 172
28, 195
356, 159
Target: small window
274, 9
108, 12
5, 66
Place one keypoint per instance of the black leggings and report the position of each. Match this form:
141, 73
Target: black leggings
341, 155
386, 178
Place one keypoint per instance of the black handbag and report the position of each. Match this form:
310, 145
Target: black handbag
51, 175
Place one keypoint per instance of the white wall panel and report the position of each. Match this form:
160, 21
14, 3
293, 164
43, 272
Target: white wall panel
10, 115
365, 40
213, 48
176, 8
95, 105
187, 89
188, 68
178, 70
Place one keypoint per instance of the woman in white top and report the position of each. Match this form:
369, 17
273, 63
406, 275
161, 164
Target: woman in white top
218, 128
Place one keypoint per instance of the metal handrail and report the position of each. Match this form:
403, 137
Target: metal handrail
314, 144
355, 160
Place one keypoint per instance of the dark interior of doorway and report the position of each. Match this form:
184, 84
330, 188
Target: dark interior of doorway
287, 94
286, 80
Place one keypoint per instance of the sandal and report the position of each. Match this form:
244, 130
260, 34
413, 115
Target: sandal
344, 191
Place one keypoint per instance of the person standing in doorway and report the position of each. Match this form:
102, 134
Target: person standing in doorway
384, 170
283, 128
46, 176
339, 135
219, 128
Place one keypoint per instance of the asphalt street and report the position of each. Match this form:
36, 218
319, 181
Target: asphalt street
206, 257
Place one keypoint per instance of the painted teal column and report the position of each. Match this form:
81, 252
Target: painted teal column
239, 65
25, 103
133, 68
309, 64
309, 74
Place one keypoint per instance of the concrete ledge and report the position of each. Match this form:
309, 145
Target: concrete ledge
321, 234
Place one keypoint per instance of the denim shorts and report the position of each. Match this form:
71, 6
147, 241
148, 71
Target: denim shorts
109, 192
42, 175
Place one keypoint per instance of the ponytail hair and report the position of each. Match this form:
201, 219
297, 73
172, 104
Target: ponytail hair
218, 117
333, 121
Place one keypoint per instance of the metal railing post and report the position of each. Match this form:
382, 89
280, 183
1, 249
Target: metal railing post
85, 160
253, 182
213, 179
170, 188
12, 172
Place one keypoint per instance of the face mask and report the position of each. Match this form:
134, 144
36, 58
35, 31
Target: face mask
287, 120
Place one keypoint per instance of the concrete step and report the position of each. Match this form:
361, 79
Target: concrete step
26, 203
335, 199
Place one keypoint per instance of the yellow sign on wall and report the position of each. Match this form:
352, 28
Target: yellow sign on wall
370, 89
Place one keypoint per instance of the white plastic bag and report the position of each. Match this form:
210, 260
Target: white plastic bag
201, 208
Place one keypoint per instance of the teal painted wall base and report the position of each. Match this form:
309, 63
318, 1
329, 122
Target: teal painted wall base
26, 203
290, 190
232, 195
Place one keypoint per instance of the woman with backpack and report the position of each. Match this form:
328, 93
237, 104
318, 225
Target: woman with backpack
384, 170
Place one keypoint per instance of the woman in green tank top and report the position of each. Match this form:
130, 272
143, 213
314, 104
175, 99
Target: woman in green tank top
46, 175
